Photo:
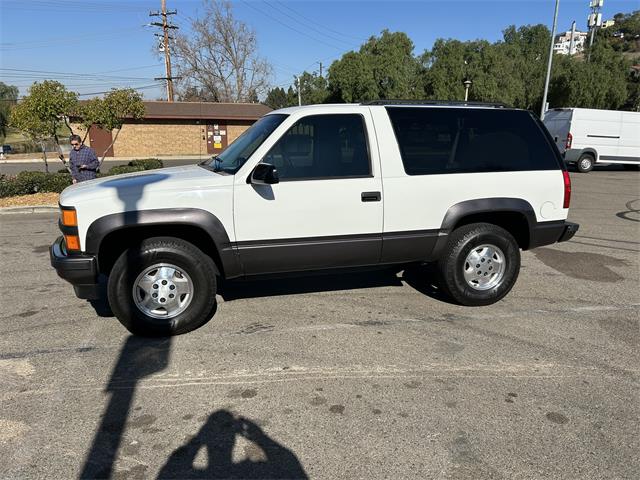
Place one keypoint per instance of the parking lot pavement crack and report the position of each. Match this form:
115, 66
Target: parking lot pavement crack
541, 371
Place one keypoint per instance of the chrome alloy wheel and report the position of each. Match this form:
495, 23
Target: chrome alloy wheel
162, 291
484, 267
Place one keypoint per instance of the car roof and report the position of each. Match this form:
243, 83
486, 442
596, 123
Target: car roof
397, 103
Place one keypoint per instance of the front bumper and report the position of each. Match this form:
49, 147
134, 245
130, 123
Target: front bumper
546, 233
79, 270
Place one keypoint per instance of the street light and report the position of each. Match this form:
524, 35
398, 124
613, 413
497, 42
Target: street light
546, 81
467, 83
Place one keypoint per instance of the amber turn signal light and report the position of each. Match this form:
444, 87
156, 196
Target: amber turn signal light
72, 242
69, 218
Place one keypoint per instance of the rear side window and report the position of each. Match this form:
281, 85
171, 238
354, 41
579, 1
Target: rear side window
457, 140
322, 146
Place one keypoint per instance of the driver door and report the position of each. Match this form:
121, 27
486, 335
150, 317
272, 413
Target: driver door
326, 210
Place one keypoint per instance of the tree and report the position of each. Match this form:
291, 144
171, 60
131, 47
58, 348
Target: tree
528, 49
628, 23
221, 57
384, 67
111, 112
42, 112
279, 98
8, 98
600, 83
192, 93
313, 89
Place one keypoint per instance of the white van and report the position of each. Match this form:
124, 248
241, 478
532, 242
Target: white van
587, 136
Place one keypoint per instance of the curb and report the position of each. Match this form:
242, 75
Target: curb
28, 209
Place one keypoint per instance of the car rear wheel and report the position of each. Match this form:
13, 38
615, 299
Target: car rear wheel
585, 163
480, 264
163, 286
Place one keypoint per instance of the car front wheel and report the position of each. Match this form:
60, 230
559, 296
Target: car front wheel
163, 286
480, 264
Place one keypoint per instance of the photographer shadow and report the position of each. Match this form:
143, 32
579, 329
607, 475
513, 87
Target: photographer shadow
266, 457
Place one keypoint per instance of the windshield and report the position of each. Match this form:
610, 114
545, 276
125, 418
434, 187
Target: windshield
234, 156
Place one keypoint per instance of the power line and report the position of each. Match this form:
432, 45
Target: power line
144, 87
154, 85
112, 7
17, 72
310, 25
31, 45
324, 27
155, 65
276, 19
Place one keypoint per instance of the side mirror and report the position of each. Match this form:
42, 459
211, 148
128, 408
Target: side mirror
264, 174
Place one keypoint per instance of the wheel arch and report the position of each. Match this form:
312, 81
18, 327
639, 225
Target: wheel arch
513, 214
108, 236
589, 151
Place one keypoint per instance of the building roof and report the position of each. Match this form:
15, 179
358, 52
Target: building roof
195, 110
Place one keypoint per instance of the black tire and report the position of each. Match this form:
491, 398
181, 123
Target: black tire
199, 267
585, 163
451, 265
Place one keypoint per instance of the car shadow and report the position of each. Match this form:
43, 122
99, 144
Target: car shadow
420, 278
266, 458
101, 304
270, 286
424, 279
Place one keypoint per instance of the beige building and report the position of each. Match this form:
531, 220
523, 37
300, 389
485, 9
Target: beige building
177, 128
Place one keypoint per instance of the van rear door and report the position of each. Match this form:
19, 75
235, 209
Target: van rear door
558, 122
629, 142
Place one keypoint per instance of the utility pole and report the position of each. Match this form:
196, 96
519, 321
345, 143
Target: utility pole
594, 20
572, 41
546, 82
167, 53
299, 93
320, 68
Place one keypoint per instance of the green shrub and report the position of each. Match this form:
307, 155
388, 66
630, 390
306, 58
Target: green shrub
7, 186
147, 163
56, 182
26, 183
30, 182
119, 169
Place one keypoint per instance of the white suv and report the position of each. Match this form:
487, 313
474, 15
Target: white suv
463, 186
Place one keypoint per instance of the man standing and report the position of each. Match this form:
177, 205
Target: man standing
83, 161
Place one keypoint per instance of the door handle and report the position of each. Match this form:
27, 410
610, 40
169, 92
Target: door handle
370, 196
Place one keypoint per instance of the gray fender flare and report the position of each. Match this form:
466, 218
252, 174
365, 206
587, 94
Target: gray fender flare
193, 217
483, 205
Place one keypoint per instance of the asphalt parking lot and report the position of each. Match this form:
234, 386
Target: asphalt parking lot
354, 376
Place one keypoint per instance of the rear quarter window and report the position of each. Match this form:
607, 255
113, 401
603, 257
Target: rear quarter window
464, 140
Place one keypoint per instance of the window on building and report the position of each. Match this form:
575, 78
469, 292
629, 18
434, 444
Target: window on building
322, 146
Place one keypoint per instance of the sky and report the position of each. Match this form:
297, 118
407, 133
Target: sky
92, 46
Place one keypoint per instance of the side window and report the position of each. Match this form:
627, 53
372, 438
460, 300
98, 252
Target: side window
322, 146
439, 140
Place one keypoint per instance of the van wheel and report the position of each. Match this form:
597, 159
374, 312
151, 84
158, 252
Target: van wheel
480, 264
585, 163
163, 286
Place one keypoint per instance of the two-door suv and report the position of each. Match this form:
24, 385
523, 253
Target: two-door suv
462, 186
